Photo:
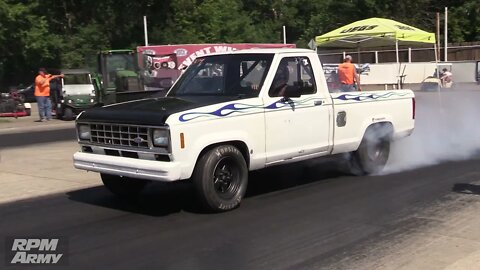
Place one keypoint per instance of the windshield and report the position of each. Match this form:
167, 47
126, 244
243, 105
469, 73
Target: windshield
239, 75
76, 79
117, 63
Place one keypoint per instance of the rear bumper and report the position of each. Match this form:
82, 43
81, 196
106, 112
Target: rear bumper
403, 133
129, 167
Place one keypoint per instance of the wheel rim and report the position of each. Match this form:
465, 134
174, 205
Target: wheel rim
226, 178
375, 150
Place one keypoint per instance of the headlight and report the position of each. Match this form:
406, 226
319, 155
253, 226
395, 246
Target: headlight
84, 132
92, 100
69, 101
160, 137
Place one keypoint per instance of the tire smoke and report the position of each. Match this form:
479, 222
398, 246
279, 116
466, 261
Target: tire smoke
447, 128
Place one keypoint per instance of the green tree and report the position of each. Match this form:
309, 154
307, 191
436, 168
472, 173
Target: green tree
27, 41
88, 40
224, 21
464, 23
181, 23
62, 33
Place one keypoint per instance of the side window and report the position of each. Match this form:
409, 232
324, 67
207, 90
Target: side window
208, 80
252, 72
294, 74
331, 76
211, 70
307, 78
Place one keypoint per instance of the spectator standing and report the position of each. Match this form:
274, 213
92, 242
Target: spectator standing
347, 76
42, 94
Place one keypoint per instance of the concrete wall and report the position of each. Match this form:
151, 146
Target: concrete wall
464, 71
387, 73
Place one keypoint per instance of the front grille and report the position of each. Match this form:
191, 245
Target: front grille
120, 135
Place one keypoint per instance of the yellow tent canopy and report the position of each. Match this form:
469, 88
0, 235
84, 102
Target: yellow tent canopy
374, 32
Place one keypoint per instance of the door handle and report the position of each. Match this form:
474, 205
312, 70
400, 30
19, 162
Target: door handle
318, 102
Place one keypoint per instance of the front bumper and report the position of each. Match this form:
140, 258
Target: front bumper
129, 167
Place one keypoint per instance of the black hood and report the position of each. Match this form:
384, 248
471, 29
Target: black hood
152, 111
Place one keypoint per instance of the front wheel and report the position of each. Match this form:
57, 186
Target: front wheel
220, 178
123, 186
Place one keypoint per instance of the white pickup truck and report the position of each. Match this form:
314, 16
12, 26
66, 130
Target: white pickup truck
235, 112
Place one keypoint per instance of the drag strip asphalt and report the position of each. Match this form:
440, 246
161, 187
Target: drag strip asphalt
31, 137
305, 215
301, 216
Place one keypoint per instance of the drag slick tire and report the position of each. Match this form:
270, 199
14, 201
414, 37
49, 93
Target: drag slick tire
123, 186
372, 154
220, 178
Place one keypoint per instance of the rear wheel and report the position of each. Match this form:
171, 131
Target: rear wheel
372, 154
220, 178
123, 186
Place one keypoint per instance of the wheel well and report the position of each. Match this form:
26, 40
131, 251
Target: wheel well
241, 146
381, 130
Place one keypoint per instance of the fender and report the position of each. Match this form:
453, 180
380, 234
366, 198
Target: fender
353, 142
380, 119
205, 141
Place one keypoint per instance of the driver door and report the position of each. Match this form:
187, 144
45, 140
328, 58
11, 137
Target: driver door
295, 126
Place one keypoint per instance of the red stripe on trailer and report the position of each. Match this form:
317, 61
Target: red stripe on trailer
11, 114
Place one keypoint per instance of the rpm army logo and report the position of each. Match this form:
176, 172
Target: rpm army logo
36, 251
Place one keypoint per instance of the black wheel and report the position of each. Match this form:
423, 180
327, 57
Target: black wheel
220, 178
373, 152
123, 186
21, 98
68, 114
